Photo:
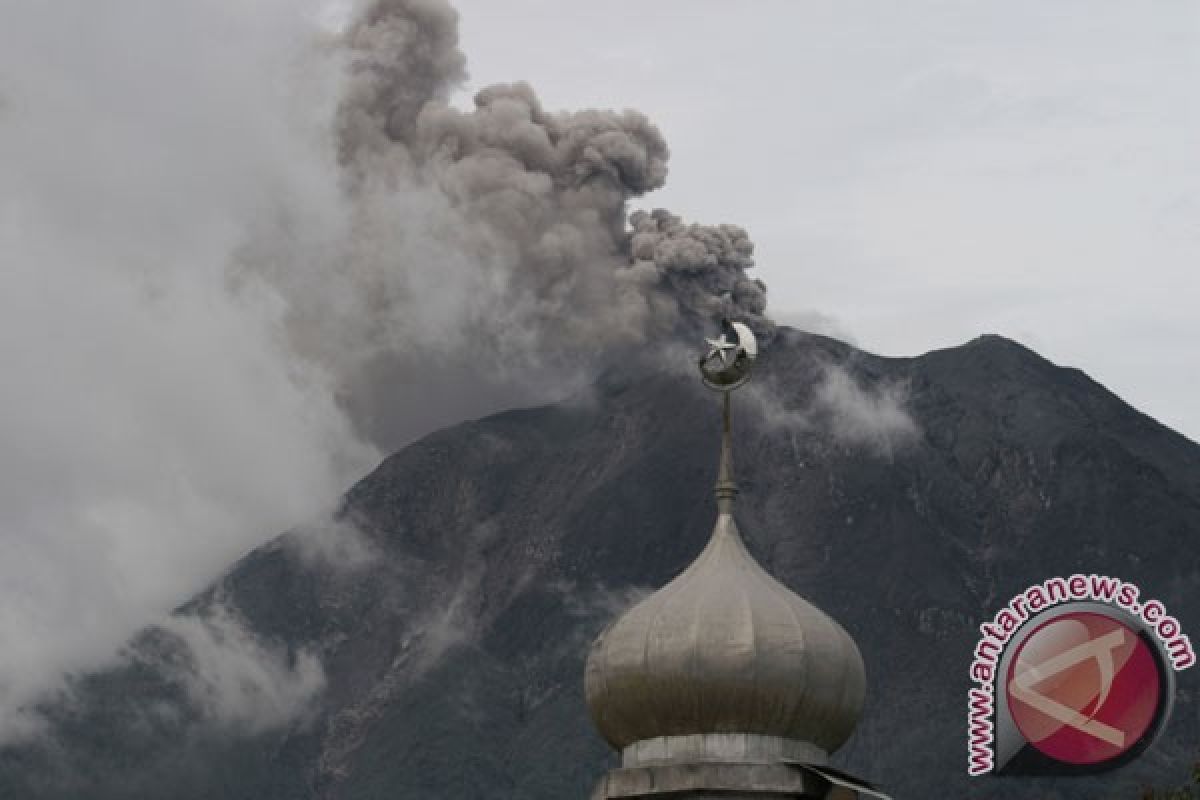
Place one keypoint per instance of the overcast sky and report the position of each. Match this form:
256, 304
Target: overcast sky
921, 172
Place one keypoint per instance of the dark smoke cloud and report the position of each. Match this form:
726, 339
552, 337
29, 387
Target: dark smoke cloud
489, 257
248, 277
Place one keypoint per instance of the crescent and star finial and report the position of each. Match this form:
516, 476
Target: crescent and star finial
724, 368
730, 357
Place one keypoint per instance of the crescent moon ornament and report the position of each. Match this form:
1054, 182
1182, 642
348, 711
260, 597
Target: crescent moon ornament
730, 356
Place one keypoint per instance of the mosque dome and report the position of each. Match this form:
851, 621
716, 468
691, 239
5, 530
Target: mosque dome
724, 648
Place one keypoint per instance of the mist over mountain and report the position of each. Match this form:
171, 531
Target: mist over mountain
431, 643
274, 224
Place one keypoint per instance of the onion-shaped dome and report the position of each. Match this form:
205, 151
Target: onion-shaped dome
724, 648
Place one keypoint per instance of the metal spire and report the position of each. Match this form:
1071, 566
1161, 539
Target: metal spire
724, 368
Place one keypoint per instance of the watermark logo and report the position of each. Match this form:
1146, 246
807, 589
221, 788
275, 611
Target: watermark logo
1074, 676
1084, 688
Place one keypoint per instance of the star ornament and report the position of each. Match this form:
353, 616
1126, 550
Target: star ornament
720, 348
727, 362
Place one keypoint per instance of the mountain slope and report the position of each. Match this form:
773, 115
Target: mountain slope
453, 651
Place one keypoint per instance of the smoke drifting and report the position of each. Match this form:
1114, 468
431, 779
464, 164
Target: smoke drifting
246, 277
872, 419
489, 252
154, 426
233, 678
249, 276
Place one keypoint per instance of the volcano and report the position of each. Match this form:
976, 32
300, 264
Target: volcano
453, 651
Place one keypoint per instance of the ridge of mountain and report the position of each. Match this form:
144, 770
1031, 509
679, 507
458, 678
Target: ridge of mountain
906, 497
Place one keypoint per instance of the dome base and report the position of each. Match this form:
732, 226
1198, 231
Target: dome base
729, 748
715, 781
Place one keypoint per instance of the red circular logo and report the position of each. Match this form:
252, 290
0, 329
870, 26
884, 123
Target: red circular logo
1084, 688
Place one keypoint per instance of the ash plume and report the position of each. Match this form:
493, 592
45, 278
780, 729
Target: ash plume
264, 271
491, 247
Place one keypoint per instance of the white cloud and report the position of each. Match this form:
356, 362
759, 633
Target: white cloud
151, 427
236, 679
874, 419
332, 543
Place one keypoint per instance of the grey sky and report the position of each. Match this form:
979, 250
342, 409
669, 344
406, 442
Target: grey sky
921, 172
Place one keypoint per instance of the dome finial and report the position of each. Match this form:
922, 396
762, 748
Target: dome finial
727, 364
724, 368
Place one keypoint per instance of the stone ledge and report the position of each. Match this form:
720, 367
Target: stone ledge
765, 781
729, 748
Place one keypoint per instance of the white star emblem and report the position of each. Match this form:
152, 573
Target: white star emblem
720, 347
